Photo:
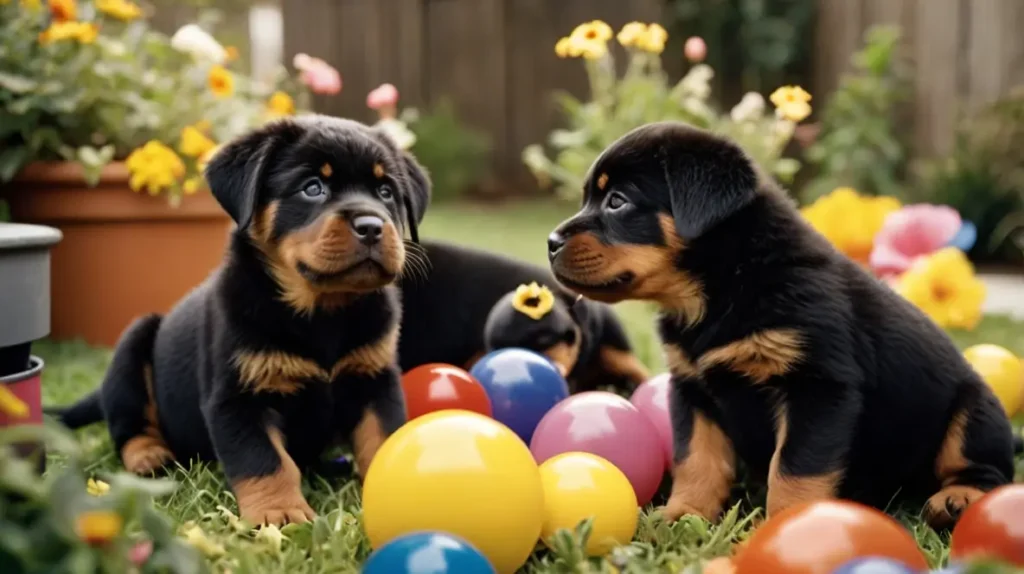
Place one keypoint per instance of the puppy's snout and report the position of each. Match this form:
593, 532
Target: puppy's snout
556, 241
367, 228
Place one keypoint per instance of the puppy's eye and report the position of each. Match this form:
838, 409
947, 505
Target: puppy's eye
313, 189
615, 201
385, 192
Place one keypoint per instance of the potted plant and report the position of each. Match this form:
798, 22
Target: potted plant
105, 125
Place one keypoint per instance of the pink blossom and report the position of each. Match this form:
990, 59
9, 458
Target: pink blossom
317, 74
911, 232
384, 99
140, 552
695, 49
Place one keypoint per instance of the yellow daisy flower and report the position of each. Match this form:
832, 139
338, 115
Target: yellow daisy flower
194, 142
595, 30
631, 34
533, 300
63, 10
83, 32
791, 103
281, 104
654, 39
221, 82
121, 9
154, 167
943, 285
849, 220
566, 48
98, 527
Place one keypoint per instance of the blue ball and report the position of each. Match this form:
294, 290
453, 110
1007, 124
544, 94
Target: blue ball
872, 565
522, 385
427, 553
965, 237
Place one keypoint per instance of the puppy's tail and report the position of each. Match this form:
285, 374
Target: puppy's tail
132, 357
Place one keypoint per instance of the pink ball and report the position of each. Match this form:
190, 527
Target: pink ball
651, 399
608, 426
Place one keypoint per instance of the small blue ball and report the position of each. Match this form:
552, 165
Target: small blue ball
427, 553
873, 565
522, 385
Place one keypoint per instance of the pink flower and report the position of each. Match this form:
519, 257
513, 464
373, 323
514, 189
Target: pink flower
695, 49
384, 99
911, 232
140, 552
317, 74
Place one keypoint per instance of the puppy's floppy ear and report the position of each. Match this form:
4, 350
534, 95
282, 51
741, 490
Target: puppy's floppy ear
416, 196
708, 180
235, 173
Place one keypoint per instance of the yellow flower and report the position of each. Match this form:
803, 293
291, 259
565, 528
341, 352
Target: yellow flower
565, 48
632, 34
791, 103
281, 104
192, 185
849, 220
592, 49
98, 527
654, 39
195, 536
96, 487
194, 143
230, 53
121, 9
155, 167
204, 159
11, 405
221, 82
533, 300
84, 32
943, 285
63, 10
595, 30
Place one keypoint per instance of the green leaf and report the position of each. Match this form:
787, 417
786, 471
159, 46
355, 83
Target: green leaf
17, 84
11, 161
154, 487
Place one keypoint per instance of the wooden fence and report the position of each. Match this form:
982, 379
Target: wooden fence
494, 58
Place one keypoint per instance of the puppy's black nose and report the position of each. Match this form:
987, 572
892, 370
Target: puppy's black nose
555, 243
368, 228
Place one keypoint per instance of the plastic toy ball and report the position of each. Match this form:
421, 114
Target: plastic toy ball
609, 426
437, 386
651, 399
522, 385
427, 553
992, 527
579, 485
874, 566
818, 537
457, 472
1003, 372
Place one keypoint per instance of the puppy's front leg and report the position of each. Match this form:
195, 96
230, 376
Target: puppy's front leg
814, 428
264, 478
382, 414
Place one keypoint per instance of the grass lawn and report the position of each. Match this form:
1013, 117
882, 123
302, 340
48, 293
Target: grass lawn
335, 543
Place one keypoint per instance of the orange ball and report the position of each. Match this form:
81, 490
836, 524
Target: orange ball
818, 537
437, 387
992, 527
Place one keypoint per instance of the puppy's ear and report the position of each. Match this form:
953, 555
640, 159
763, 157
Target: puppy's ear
235, 173
416, 196
709, 179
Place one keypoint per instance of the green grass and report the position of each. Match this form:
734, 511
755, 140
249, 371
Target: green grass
335, 543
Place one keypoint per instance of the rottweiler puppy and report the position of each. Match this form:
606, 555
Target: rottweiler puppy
457, 305
784, 354
293, 340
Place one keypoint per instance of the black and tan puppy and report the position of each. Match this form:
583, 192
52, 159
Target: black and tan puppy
292, 341
458, 307
784, 354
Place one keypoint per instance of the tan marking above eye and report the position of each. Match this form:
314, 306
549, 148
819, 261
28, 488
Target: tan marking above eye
602, 181
326, 170
378, 170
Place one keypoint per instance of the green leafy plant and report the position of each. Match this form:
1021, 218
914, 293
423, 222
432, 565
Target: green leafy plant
858, 145
62, 522
455, 155
644, 94
91, 81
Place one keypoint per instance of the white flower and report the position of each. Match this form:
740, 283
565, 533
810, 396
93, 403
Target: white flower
191, 39
750, 108
398, 132
697, 82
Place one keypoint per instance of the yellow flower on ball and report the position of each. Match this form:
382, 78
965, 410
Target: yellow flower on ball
1002, 371
849, 220
944, 287
533, 300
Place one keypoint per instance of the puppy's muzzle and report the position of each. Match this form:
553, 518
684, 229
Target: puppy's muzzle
367, 228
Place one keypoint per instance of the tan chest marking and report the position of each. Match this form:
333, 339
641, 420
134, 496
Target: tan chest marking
759, 357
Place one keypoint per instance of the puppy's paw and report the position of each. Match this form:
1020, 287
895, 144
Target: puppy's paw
944, 508
278, 512
677, 507
145, 455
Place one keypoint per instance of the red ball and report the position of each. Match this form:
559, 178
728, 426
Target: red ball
818, 537
437, 386
992, 527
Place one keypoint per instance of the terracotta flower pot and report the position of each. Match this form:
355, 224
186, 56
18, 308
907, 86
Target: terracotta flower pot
123, 253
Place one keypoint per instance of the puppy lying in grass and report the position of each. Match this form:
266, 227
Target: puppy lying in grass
784, 354
458, 304
292, 341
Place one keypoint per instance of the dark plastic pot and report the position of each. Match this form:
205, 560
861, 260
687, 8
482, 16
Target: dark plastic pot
24, 291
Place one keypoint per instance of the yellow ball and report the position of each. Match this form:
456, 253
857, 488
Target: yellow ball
1003, 372
580, 485
458, 472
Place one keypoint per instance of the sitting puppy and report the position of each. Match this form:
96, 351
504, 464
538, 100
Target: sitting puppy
784, 354
458, 307
293, 340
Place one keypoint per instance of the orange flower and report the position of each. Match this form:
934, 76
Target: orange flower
98, 527
221, 82
231, 53
84, 32
63, 10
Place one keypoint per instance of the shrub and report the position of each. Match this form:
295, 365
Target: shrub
455, 155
